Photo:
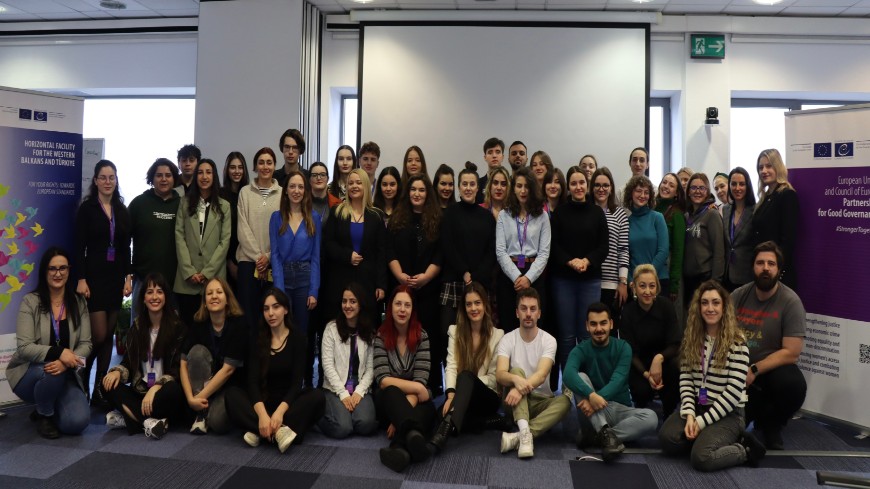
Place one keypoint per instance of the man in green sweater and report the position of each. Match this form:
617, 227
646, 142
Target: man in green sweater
597, 373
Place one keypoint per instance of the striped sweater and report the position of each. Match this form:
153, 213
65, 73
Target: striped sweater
615, 266
413, 365
726, 387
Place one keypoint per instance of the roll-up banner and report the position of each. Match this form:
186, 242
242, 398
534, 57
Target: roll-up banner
828, 158
40, 187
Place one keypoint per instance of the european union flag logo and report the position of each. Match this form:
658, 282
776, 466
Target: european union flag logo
25, 114
822, 150
40, 116
845, 149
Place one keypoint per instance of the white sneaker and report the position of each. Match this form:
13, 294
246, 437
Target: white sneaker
199, 427
284, 437
252, 439
509, 441
115, 420
527, 447
155, 428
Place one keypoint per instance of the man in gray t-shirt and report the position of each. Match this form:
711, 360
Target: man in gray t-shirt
774, 322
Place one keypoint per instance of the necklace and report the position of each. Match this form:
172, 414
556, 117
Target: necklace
354, 217
281, 346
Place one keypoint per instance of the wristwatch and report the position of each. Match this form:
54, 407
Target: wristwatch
754, 369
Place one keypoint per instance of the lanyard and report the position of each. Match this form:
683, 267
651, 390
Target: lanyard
55, 322
151, 342
706, 361
698, 214
350, 367
111, 218
522, 237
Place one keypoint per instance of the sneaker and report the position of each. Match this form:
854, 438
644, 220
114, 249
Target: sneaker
284, 437
252, 439
199, 427
611, 447
395, 459
755, 450
155, 428
115, 420
509, 441
527, 447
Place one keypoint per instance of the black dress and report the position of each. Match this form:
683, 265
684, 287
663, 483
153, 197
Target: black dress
776, 219
105, 277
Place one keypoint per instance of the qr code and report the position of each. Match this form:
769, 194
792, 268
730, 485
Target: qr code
864, 353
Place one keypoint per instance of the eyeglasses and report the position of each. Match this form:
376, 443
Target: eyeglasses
601, 185
58, 270
106, 178
288, 147
318, 176
695, 188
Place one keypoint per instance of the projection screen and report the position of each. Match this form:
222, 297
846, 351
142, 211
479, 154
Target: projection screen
568, 90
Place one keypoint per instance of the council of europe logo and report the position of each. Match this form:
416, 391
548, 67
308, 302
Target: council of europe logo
822, 150
843, 150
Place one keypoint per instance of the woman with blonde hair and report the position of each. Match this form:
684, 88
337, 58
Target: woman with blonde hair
714, 360
776, 215
497, 191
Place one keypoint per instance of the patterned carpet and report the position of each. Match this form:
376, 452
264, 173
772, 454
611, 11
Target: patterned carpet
112, 459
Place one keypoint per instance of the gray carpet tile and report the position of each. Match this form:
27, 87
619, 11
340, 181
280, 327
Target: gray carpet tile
835, 464
773, 478
435, 485
250, 477
358, 462
6, 446
372, 442
508, 471
227, 449
302, 457
332, 481
672, 472
618, 474
20, 482
94, 437
139, 444
804, 434
39, 462
451, 469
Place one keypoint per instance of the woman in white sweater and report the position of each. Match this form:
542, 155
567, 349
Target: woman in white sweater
346, 355
472, 397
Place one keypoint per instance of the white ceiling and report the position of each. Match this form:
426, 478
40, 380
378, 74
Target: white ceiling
37, 10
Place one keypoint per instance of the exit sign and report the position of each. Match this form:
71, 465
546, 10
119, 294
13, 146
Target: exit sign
708, 46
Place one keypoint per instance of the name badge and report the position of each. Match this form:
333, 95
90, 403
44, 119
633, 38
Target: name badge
349, 387
521, 261
152, 379
110, 254
702, 396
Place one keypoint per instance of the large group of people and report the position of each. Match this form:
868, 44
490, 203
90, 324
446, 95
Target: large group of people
401, 293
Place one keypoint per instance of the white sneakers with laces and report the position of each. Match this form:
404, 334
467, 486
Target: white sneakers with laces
155, 428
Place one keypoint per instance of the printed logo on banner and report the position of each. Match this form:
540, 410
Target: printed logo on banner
25, 114
40, 116
845, 150
822, 150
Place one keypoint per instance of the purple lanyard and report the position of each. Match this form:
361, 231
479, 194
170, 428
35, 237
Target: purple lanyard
705, 362
55, 322
522, 237
111, 218
698, 215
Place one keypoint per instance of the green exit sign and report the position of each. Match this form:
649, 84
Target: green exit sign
708, 46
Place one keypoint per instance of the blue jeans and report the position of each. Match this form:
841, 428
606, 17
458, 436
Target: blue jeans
199, 370
628, 423
297, 281
338, 422
56, 395
572, 297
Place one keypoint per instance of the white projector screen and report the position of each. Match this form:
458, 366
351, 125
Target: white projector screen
447, 88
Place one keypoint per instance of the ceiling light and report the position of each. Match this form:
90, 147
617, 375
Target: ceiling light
642, 1
2, 9
767, 2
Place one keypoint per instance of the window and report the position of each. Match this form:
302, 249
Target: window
349, 119
137, 132
659, 139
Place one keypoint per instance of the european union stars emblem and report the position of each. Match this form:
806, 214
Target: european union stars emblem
25, 114
822, 150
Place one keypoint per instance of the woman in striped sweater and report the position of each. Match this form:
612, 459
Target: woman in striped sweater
614, 269
711, 419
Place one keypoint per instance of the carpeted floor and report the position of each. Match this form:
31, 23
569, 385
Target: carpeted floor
110, 458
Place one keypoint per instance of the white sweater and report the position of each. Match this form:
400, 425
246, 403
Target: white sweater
335, 356
486, 374
254, 214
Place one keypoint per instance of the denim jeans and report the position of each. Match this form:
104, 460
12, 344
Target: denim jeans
338, 422
572, 297
297, 281
628, 423
59, 396
715, 447
199, 370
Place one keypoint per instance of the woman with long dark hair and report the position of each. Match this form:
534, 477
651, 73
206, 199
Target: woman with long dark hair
202, 238
443, 184
387, 191
345, 161
414, 258
671, 203
276, 407
541, 164
739, 239
704, 257
401, 368
555, 190
614, 269
145, 388
522, 245
53, 338
714, 360
105, 271
414, 163
346, 355
235, 179
472, 399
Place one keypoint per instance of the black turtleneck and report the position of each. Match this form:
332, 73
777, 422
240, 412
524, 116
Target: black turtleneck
468, 241
579, 231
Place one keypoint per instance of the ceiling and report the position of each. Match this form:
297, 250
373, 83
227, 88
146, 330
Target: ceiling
40, 10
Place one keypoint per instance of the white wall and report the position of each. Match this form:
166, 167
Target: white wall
339, 70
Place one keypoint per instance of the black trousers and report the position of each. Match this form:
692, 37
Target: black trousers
472, 402
305, 411
169, 402
507, 299
642, 393
188, 304
393, 407
429, 314
775, 396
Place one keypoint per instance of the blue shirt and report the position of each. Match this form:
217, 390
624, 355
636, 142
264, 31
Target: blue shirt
536, 244
289, 247
648, 240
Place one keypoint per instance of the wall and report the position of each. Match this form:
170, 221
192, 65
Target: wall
339, 70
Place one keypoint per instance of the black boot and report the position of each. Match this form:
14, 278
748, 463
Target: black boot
755, 450
46, 428
416, 445
439, 438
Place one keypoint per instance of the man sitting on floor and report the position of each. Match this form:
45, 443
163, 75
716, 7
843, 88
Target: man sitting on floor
597, 373
528, 349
